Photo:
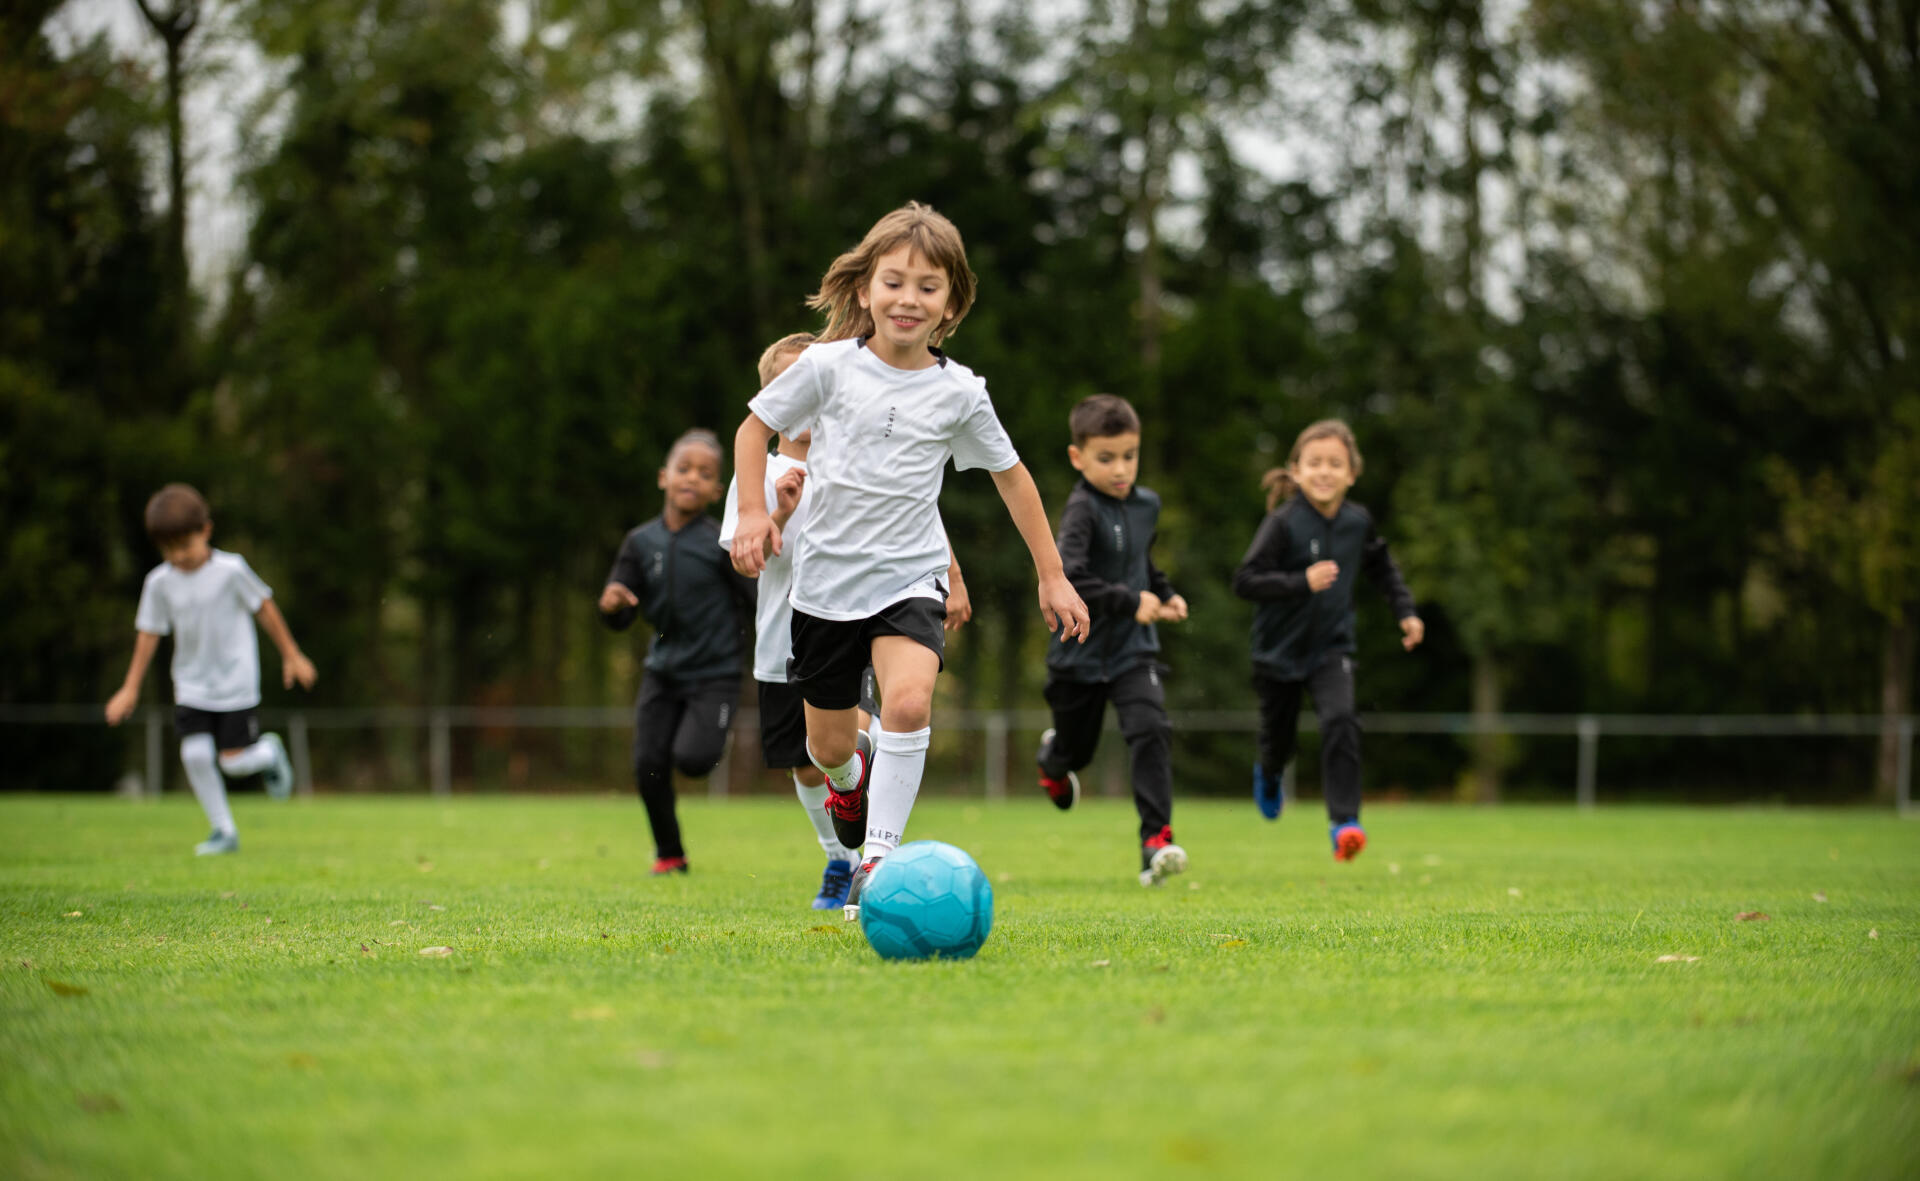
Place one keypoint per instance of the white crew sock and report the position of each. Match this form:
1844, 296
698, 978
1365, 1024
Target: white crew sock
249, 760
845, 777
203, 773
899, 761
814, 800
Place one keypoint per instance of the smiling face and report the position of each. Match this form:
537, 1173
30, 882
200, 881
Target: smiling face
1324, 472
691, 478
908, 298
1109, 462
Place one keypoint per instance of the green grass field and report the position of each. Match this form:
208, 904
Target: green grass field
1482, 994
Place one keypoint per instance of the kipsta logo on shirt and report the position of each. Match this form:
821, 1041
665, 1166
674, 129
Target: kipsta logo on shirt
888, 433
1313, 547
659, 563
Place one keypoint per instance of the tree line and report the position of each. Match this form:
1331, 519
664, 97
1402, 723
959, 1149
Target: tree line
1620, 301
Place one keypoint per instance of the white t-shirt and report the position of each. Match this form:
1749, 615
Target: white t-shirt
772, 614
881, 440
209, 613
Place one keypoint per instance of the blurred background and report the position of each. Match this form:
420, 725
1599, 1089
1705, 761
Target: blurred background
1620, 298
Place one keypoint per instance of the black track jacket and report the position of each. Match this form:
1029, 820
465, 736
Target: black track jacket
689, 592
1104, 546
1293, 628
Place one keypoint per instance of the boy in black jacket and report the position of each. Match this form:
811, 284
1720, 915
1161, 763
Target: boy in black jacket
1106, 532
1300, 570
673, 569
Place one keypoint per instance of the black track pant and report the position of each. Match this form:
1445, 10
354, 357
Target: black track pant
677, 726
1141, 703
1331, 684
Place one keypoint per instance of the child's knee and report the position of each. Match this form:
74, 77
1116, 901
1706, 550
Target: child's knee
907, 708
197, 752
1341, 728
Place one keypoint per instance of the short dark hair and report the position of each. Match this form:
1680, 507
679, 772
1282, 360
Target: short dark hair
176, 513
1101, 416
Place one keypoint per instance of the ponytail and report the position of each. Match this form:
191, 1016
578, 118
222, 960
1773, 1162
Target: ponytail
1279, 485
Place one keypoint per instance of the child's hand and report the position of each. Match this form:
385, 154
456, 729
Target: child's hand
786, 492
959, 606
1149, 608
616, 597
1321, 575
1412, 631
298, 668
1061, 607
754, 538
1174, 610
121, 704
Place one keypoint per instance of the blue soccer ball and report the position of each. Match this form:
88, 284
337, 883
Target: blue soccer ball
927, 899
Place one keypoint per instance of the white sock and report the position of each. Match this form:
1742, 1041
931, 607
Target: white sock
248, 761
814, 800
899, 760
845, 777
203, 772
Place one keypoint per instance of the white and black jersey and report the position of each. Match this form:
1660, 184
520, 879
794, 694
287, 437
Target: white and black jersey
882, 438
209, 613
773, 614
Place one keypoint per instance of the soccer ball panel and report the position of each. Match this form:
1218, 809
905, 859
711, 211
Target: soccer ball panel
927, 899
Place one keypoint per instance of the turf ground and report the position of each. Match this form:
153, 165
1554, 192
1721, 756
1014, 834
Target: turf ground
1482, 994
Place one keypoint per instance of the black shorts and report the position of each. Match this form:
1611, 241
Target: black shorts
830, 656
783, 721
231, 731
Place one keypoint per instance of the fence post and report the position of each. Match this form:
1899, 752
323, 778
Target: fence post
440, 753
155, 767
1588, 727
997, 755
302, 755
1903, 770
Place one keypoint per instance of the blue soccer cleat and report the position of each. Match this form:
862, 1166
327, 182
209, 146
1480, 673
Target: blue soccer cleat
1348, 839
279, 777
833, 885
1267, 795
218, 842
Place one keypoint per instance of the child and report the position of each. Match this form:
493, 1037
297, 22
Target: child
887, 410
1300, 570
783, 723
207, 600
1106, 533
672, 569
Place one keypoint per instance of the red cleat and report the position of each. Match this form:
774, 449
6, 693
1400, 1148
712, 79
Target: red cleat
667, 865
1348, 840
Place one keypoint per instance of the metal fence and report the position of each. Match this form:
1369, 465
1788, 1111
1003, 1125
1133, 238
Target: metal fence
996, 728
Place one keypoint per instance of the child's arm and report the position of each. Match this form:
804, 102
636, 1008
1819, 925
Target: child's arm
1260, 577
619, 603
294, 665
755, 536
1379, 566
145, 644
959, 603
1173, 608
1059, 605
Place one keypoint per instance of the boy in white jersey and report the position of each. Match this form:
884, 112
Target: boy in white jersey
783, 723
207, 600
887, 410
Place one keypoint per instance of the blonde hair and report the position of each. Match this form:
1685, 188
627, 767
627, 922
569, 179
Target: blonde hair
928, 234
1279, 481
793, 342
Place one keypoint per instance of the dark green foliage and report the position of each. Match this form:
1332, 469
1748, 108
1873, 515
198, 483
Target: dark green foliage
1612, 456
